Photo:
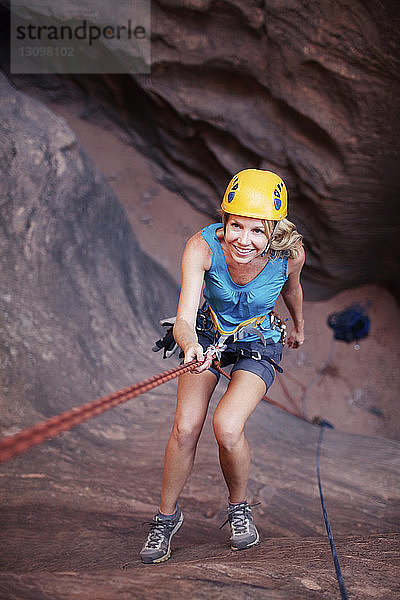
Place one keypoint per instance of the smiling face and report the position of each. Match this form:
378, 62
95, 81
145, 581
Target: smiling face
245, 238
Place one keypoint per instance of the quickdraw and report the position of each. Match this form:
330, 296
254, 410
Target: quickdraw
279, 324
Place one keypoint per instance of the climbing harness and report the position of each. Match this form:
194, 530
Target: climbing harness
206, 324
240, 331
249, 327
231, 356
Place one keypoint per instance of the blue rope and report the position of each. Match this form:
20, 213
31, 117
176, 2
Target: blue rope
327, 524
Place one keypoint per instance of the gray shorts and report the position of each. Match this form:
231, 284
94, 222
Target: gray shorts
262, 368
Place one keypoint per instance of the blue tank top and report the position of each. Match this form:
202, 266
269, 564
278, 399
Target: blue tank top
233, 306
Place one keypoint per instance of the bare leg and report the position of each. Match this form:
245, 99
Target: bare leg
241, 398
194, 393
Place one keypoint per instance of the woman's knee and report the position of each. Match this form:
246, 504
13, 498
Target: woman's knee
186, 434
227, 433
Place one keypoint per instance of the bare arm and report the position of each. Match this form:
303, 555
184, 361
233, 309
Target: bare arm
292, 295
196, 260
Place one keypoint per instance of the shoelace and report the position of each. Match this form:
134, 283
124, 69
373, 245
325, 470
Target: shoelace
158, 531
239, 517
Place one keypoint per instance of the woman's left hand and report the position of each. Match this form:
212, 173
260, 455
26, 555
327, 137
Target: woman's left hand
296, 337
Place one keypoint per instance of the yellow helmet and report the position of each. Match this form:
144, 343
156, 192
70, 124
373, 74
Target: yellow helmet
256, 193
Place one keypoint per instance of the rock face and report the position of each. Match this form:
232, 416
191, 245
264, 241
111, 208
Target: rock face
78, 303
310, 90
79, 300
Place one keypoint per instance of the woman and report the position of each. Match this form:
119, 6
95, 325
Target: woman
244, 264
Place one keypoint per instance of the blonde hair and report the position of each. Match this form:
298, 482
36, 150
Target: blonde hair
286, 240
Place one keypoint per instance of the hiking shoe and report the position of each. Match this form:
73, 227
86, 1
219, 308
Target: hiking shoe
158, 544
244, 532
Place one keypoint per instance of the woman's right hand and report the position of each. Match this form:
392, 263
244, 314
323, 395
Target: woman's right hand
196, 260
195, 352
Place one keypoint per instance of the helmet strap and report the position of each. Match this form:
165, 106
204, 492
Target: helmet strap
267, 247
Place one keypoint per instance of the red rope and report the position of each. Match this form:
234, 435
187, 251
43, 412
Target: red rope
20, 442
266, 398
286, 392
